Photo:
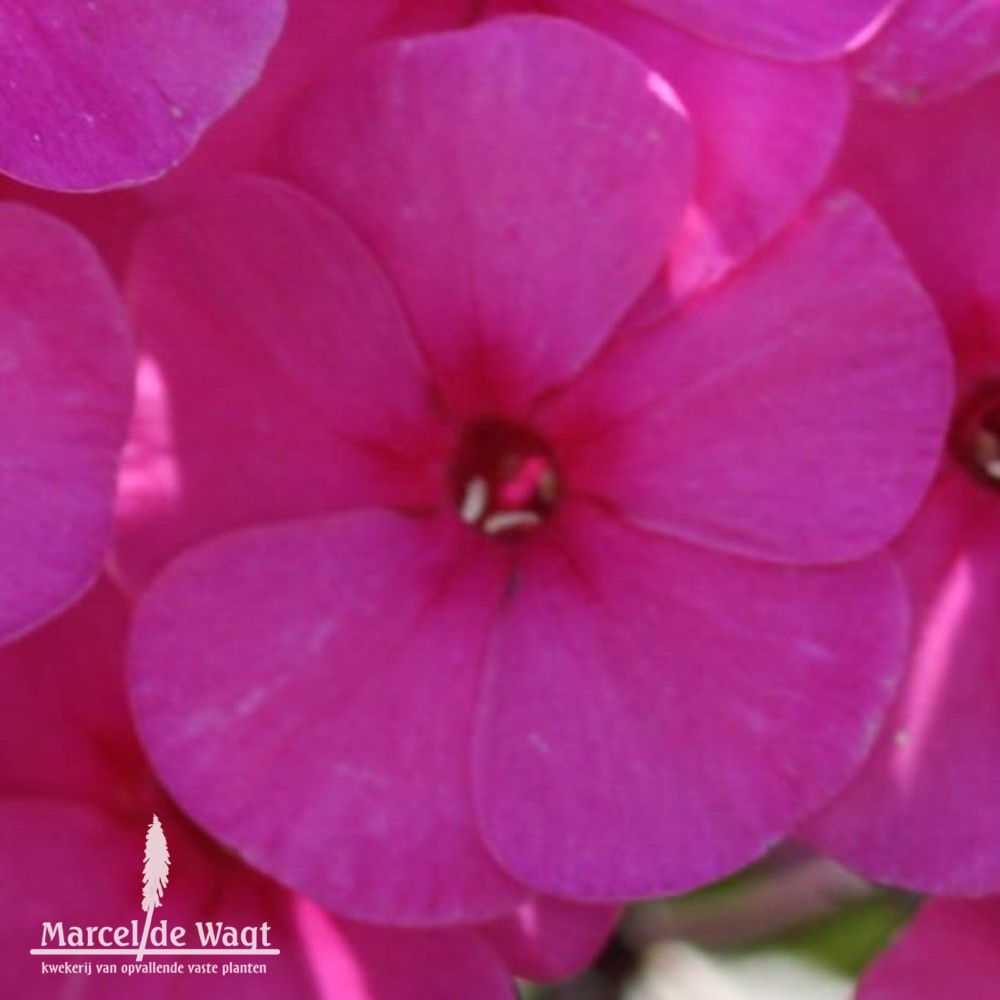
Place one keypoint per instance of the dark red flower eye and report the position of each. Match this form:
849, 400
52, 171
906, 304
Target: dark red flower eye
504, 477
976, 438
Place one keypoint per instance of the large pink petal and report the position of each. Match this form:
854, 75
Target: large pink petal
930, 49
280, 381
655, 716
942, 199
924, 812
795, 412
103, 94
795, 30
548, 938
520, 182
950, 949
306, 691
759, 156
66, 371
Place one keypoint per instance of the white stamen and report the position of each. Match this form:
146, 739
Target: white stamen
510, 520
992, 469
477, 496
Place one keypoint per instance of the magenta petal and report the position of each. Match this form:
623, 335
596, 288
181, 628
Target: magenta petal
547, 938
655, 716
759, 156
950, 949
796, 30
66, 370
274, 273
520, 181
306, 692
281, 379
931, 49
104, 94
924, 813
451, 964
795, 413
942, 200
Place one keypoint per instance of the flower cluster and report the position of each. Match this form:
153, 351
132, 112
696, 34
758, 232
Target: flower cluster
467, 467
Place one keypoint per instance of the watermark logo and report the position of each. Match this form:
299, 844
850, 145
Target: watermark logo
214, 938
155, 871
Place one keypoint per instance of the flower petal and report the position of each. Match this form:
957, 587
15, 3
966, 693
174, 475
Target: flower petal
795, 413
794, 30
520, 181
548, 938
923, 812
66, 370
931, 49
941, 201
280, 378
104, 94
950, 949
410, 964
759, 157
654, 716
306, 692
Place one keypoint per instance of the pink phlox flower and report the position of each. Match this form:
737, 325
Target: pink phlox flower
924, 813
630, 674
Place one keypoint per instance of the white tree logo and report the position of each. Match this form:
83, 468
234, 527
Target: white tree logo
154, 876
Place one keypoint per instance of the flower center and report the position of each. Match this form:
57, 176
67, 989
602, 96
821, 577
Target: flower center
977, 436
504, 477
